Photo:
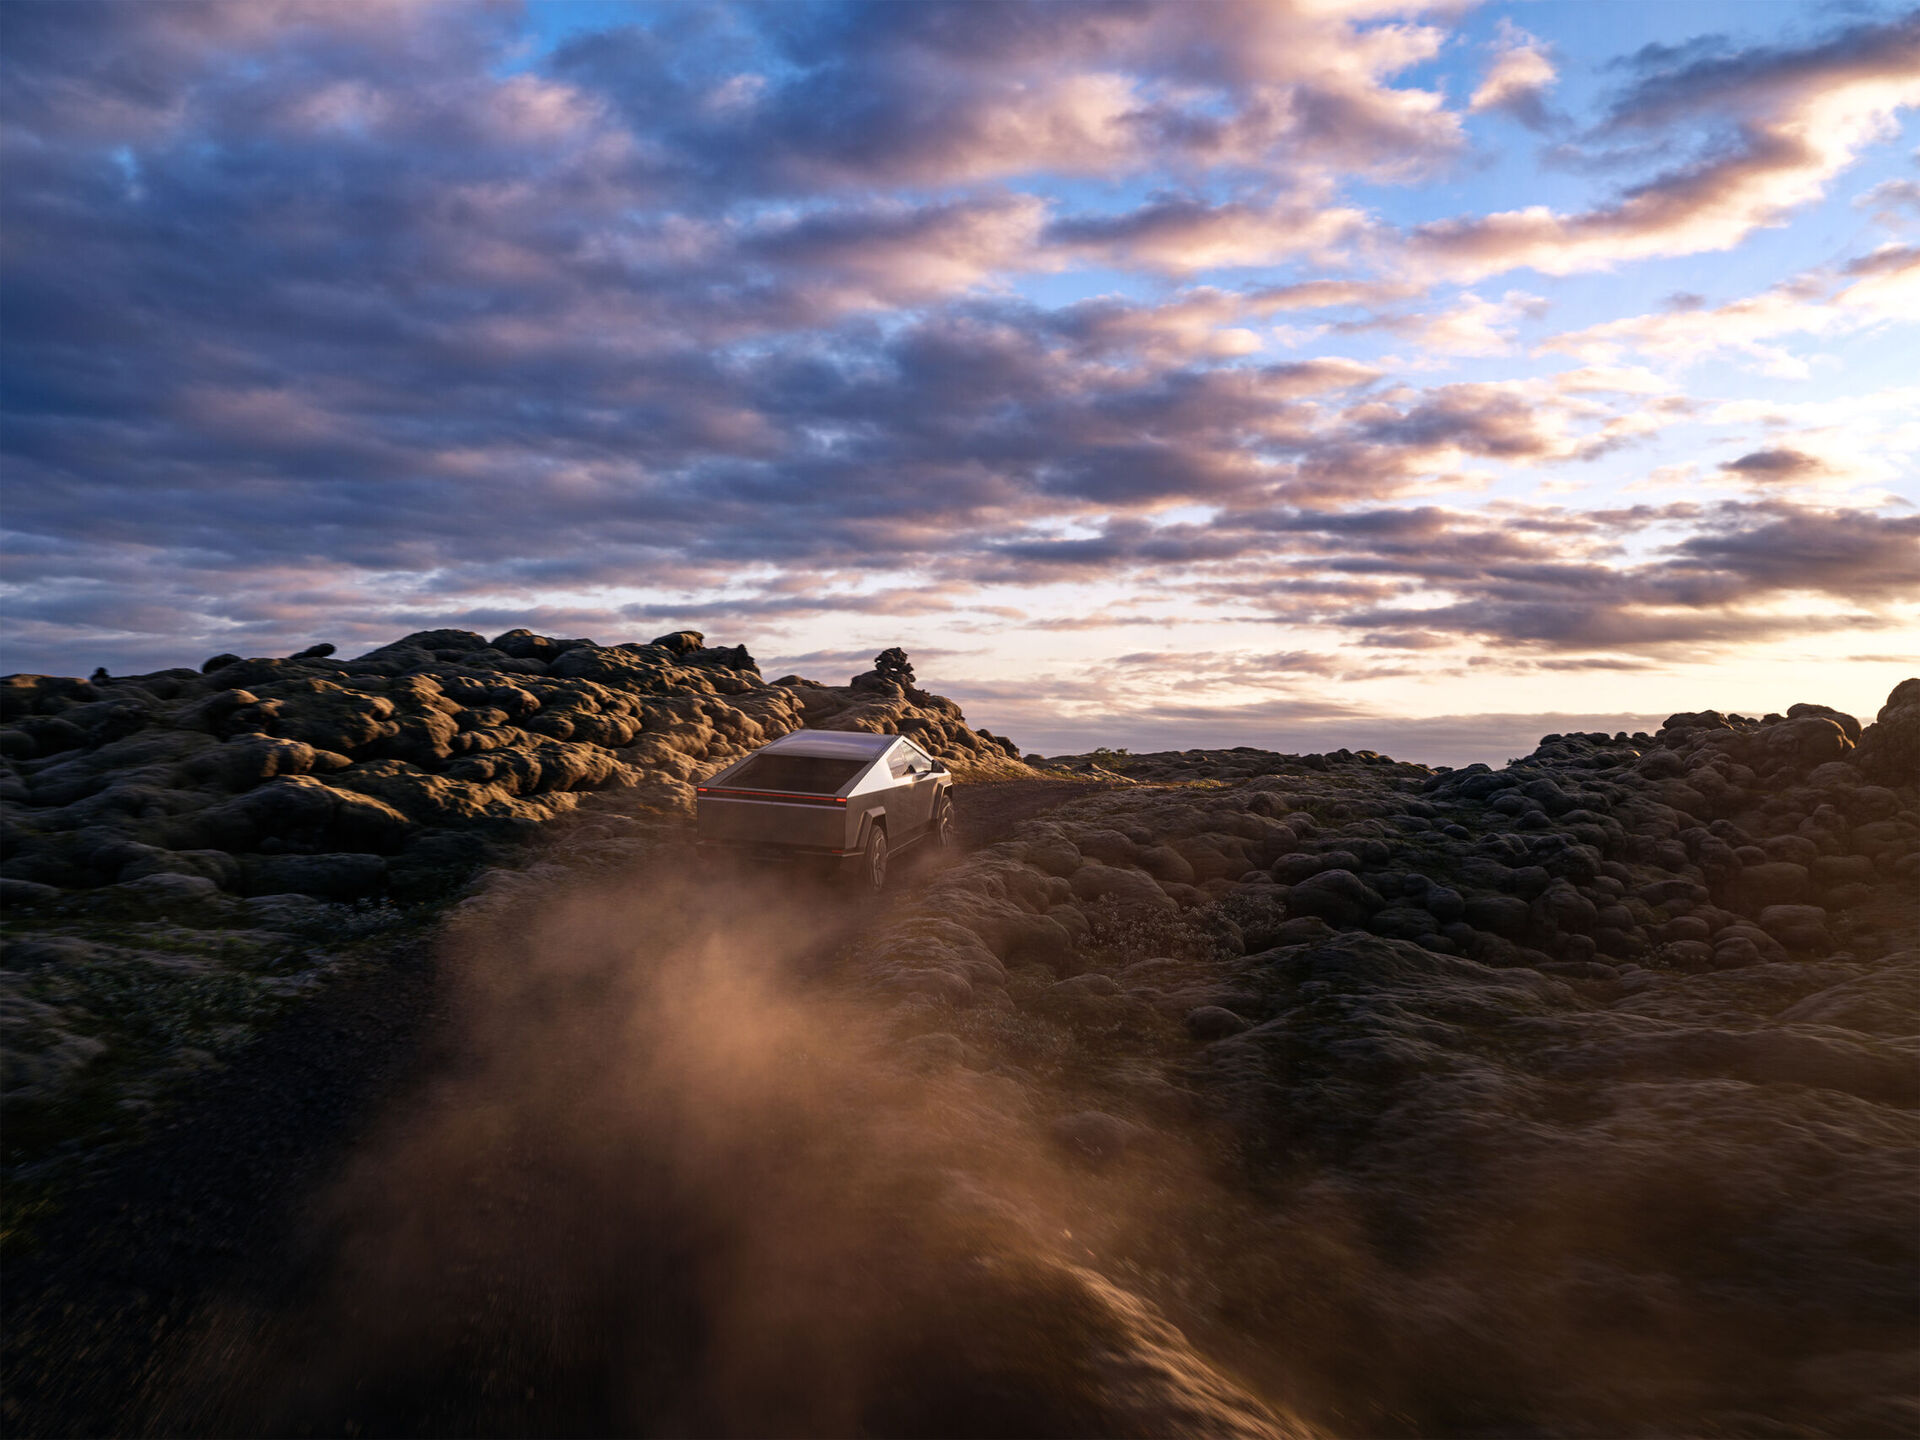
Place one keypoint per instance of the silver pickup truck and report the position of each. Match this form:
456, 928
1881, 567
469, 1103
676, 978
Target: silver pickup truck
839, 797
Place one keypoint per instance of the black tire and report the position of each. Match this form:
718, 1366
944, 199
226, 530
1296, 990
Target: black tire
871, 877
944, 837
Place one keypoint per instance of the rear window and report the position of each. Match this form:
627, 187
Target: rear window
800, 774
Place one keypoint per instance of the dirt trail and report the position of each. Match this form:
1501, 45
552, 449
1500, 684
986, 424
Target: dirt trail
142, 1304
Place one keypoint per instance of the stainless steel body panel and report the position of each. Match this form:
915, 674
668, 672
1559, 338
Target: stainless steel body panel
915, 783
889, 782
725, 819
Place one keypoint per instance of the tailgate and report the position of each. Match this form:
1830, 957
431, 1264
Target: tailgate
803, 822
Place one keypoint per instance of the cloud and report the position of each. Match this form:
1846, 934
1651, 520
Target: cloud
878, 256
933, 94
1327, 294
1470, 326
328, 322
1778, 547
1769, 466
1533, 579
1410, 440
1405, 640
1871, 290
1197, 324
1893, 202
1717, 586
1788, 121
1181, 234
1517, 82
1598, 662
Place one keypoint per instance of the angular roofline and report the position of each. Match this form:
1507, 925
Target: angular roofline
847, 744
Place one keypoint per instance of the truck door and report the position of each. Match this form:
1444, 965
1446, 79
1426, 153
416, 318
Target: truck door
913, 773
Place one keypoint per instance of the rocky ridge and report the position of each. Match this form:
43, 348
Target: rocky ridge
1577, 1097
184, 851
389, 772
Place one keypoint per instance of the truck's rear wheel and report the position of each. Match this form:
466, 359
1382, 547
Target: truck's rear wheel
873, 862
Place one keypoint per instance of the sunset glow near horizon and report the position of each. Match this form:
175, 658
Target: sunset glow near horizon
1292, 375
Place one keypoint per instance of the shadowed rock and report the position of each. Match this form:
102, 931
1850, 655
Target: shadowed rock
1625, 1029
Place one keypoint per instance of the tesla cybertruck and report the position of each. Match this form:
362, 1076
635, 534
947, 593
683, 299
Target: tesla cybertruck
839, 799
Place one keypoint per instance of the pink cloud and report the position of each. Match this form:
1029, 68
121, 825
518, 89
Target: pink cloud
1517, 81
1800, 118
1877, 288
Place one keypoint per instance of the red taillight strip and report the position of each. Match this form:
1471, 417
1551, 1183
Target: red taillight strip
785, 796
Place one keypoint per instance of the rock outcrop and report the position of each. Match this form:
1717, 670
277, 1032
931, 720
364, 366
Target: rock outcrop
183, 853
394, 772
1581, 1096
1577, 1097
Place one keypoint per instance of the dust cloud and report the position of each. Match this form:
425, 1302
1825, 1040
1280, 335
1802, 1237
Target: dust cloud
669, 1179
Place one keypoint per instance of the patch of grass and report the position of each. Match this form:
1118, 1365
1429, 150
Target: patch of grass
168, 1001
1119, 935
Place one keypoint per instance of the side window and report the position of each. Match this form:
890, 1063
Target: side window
900, 762
918, 759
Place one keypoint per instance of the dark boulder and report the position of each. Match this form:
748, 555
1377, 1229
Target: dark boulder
442, 644
52, 734
216, 865
1530, 881
29, 893
294, 807
1339, 897
1505, 915
523, 645
726, 657
1404, 922
679, 642
1798, 927
1291, 869
1776, 882
1846, 722
1548, 795
892, 664
1213, 1022
1810, 740
327, 877
1695, 720
1889, 750
1477, 782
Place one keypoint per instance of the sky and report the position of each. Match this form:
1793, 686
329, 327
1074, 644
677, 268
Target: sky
1339, 372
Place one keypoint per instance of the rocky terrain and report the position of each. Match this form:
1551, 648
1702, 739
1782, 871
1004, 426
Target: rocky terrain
388, 773
1212, 1091
1577, 1097
185, 852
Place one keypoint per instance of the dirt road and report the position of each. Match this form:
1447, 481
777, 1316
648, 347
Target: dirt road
190, 1282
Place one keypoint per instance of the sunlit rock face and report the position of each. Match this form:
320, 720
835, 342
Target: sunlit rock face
392, 773
230, 828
